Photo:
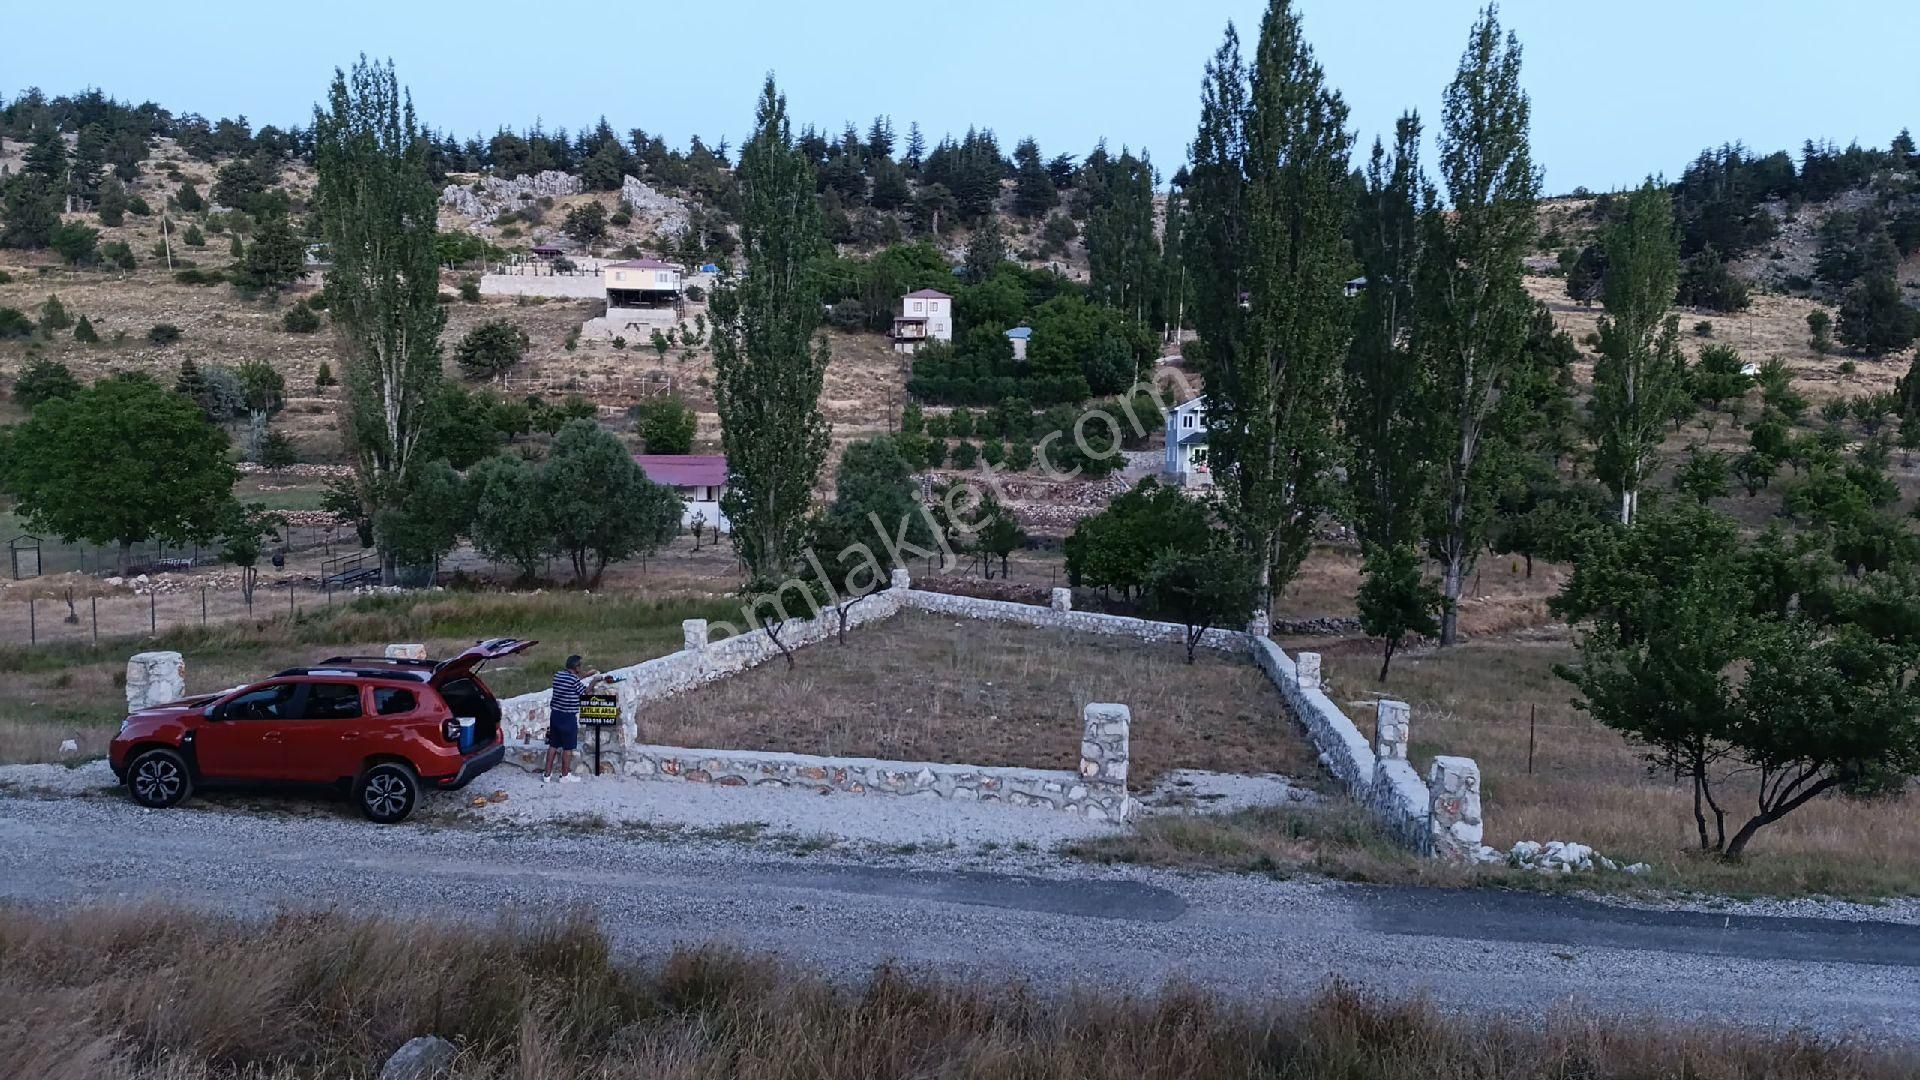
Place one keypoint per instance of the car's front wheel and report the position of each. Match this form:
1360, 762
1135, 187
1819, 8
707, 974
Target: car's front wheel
158, 779
387, 792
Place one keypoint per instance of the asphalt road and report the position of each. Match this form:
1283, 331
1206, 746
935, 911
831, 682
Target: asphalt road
1050, 922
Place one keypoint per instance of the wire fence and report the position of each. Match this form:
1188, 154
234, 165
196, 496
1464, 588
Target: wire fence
72, 617
28, 557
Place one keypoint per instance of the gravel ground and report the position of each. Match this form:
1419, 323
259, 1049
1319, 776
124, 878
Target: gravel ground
872, 828
980, 915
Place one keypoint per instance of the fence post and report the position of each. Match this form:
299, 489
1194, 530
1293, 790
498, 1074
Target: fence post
33, 627
203, 605
153, 613
289, 599
93, 604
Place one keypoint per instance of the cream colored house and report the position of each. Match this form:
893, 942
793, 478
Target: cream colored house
924, 316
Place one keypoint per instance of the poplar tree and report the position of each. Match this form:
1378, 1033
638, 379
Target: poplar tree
1122, 251
1472, 308
1640, 376
1382, 415
1269, 258
768, 369
379, 209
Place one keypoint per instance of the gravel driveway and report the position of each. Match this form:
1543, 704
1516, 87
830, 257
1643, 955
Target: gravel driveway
989, 914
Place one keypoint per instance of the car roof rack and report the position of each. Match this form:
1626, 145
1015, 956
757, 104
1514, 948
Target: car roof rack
323, 670
380, 661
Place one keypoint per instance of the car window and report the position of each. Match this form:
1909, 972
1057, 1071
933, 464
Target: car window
267, 703
388, 701
332, 701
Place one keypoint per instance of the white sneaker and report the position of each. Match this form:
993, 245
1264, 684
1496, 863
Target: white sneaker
546, 778
569, 779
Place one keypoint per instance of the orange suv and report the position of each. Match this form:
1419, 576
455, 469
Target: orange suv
378, 728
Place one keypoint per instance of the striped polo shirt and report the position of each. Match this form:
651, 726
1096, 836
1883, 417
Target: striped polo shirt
566, 692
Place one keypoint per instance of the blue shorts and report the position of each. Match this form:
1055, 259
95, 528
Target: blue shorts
563, 730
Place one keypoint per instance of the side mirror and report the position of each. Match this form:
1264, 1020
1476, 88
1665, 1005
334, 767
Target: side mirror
216, 712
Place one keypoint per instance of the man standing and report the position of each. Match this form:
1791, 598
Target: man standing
563, 721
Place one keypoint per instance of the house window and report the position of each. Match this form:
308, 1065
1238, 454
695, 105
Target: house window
1187, 421
619, 275
918, 307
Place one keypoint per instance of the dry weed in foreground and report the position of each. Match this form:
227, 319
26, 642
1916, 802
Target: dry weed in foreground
105, 994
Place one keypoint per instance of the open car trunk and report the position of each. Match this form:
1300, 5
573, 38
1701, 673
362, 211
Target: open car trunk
465, 694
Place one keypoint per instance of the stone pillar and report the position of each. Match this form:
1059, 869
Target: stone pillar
693, 635
1260, 625
1104, 752
406, 652
1306, 671
1062, 600
155, 678
1453, 785
901, 579
1391, 730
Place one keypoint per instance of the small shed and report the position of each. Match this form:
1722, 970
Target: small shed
1019, 336
546, 251
23, 552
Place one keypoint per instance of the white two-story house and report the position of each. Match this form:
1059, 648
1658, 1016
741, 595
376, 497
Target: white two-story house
1186, 463
924, 316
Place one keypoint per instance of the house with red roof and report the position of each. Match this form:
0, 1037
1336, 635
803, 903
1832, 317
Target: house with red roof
924, 316
699, 480
638, 284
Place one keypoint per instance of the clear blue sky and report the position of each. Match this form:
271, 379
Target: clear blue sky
1620, 88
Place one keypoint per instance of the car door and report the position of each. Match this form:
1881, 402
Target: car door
323, 742
245, 738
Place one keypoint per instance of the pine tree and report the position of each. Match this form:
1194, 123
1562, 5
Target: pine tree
84, 333
378, 206
1640, 376
1033, 191
768, 370
1473, 310
88, 165
1269, 196
916, 149
275, 259
986, 250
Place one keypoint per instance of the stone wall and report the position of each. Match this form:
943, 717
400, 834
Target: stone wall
555, 286
1098, 791
1056, 618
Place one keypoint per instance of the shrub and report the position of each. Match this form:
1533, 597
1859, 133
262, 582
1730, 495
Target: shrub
54, 314
14, 324
993, 452
620, 217
163, 333
696, 294
196, 276
1703, 328
76, 243
965, 455
665, 424
1820, 327
277, 450
470, 290
619, 342
118, 255
189, 198
301, 319
1019, 457
324, 377
83, 332
511, 232
193, 237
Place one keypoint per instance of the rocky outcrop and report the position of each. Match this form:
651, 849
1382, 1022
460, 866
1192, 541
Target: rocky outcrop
666, 215
490, 196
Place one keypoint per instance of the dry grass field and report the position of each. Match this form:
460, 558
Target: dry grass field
1586, 783
920, 687
112, 1000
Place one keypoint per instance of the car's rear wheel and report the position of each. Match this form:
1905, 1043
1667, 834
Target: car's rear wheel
158, 779
387, 792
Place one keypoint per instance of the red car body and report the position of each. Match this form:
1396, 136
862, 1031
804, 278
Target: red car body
380, 728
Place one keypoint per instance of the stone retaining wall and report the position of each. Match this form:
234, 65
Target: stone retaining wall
552, 286
1097, 791
1058, 617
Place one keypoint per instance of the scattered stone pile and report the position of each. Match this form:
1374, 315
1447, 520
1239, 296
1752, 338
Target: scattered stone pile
1557, 857
303, 470
490, 196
